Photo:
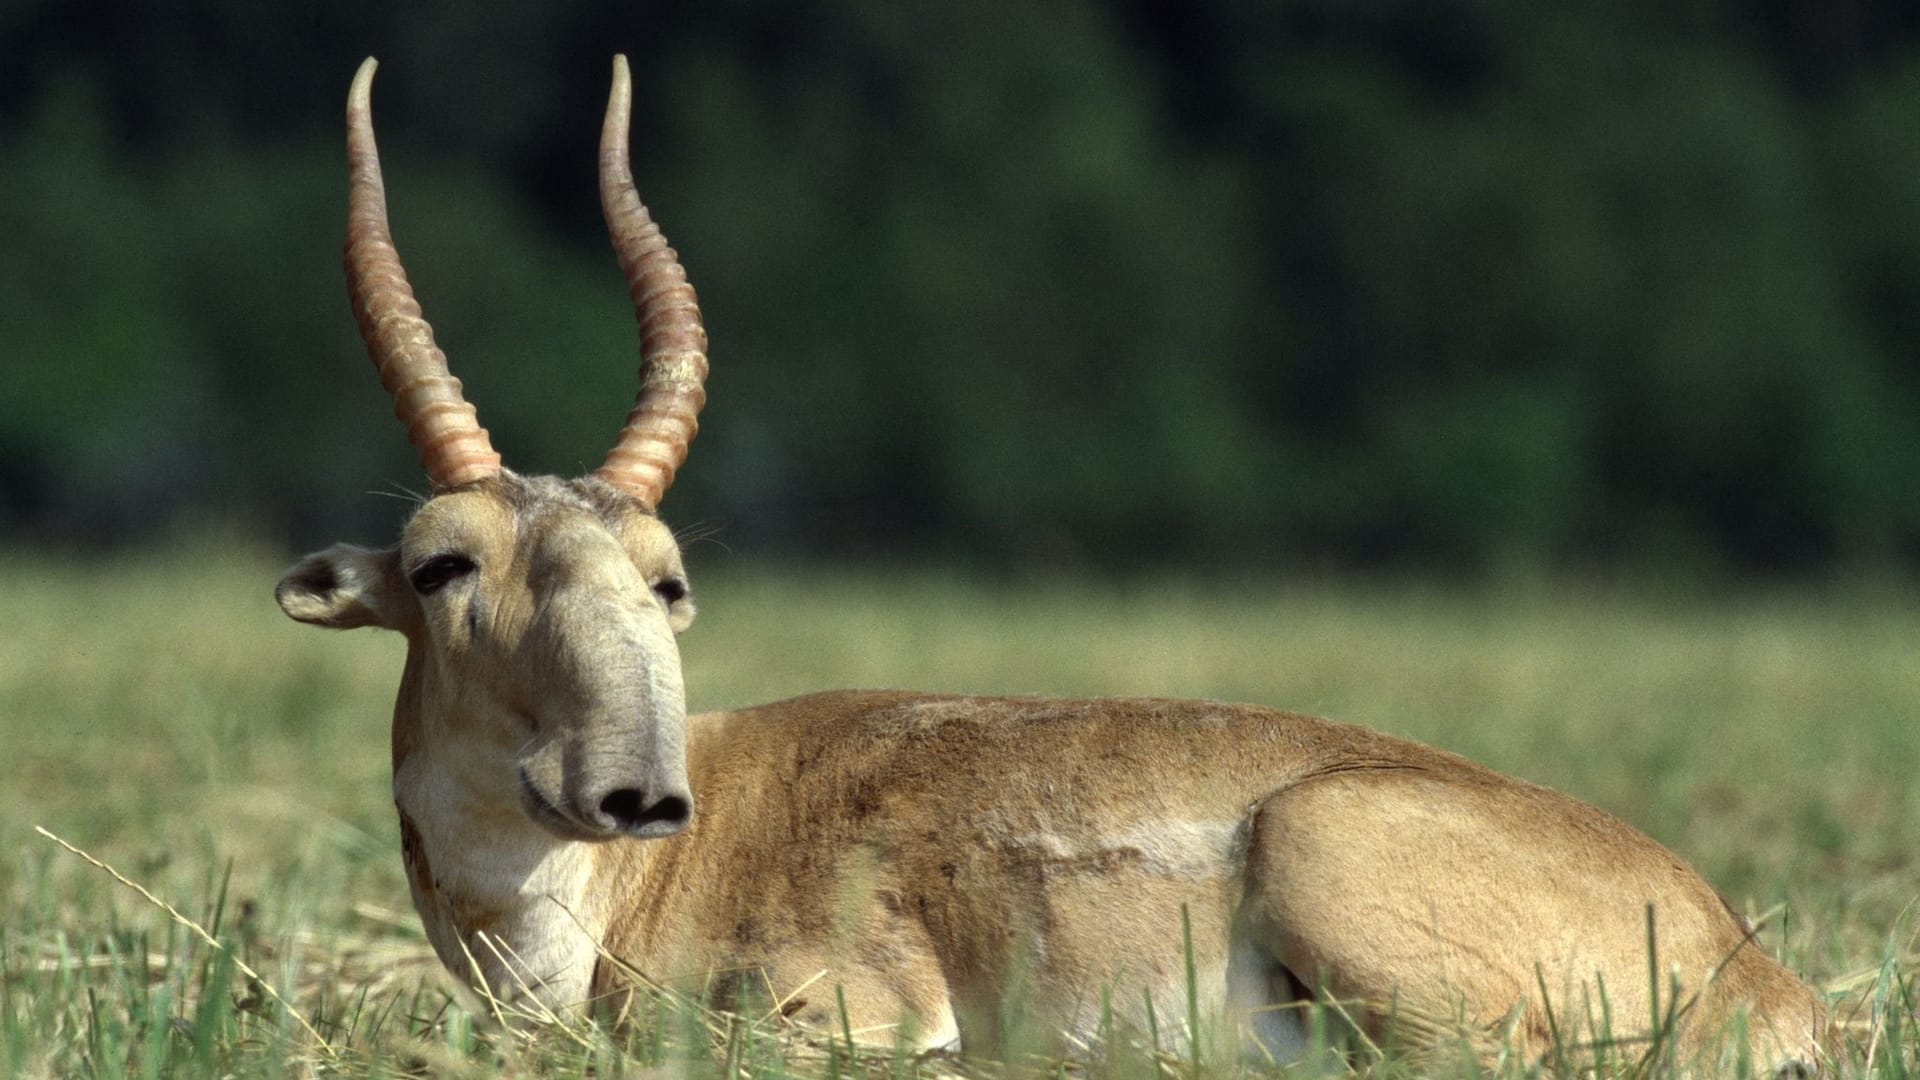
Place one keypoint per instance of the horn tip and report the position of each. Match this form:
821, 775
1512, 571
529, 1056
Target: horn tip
361, 94
613, 129
622, 77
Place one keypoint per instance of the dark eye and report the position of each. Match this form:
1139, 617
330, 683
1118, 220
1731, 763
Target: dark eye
437, 571
670, 590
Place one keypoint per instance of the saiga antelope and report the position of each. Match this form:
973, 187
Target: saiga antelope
939, 858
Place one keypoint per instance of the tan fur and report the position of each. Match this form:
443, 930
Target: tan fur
972, 868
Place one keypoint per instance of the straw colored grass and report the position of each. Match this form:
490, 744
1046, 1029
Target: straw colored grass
159, 713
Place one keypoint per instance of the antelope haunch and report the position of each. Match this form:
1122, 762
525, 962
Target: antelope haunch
950, 867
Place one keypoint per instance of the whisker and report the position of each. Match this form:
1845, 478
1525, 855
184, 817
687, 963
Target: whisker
401, 492
701, 532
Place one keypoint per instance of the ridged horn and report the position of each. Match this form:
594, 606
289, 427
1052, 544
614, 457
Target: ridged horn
454, 448
673, 343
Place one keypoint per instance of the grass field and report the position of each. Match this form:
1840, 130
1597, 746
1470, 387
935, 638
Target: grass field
161, 713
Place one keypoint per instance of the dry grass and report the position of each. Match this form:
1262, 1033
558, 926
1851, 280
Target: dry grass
160, 713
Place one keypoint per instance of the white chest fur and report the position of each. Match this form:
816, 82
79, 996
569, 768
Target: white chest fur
504, 903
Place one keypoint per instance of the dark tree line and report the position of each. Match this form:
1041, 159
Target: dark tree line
1456, 285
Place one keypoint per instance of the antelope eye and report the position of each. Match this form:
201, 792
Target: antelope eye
437, 571
670, 590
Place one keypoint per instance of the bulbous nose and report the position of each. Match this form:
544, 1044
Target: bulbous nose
635, 812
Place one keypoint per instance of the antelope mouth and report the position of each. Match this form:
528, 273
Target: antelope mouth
555, 820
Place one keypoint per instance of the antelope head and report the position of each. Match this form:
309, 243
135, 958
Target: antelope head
543, 678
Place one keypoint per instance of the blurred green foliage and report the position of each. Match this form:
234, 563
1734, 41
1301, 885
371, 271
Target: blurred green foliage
1465, 286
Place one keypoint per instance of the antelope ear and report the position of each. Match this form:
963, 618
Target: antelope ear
346, 586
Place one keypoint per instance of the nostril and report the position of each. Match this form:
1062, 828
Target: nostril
672, 810
630, 811
624, 806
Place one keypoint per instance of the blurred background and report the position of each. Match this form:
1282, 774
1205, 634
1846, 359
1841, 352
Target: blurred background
1472, 289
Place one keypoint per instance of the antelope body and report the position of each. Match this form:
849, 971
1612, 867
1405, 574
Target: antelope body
942, 867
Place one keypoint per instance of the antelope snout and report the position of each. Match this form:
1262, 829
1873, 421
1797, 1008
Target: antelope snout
607, 788
629, 782
647, 811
